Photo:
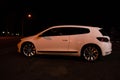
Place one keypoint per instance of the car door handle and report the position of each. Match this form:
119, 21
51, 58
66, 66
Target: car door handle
64, 40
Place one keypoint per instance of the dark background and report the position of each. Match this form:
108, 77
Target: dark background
14, 66
45, 14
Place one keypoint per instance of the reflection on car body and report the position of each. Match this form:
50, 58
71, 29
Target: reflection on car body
88, 42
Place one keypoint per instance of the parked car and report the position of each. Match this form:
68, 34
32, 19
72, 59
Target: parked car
88, 42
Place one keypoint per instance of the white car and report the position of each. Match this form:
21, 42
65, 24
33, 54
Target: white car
74, 40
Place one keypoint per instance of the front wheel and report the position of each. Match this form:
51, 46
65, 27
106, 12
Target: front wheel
91, 52
28, 49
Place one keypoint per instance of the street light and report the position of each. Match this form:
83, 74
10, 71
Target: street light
3, 32
29, 16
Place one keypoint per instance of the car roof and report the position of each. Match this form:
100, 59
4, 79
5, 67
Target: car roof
77, 26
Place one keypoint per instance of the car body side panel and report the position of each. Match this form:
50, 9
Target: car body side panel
71, 43
52, 43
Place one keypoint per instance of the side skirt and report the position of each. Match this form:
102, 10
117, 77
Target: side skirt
70, 53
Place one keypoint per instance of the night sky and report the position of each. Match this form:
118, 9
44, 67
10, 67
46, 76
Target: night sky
46, 14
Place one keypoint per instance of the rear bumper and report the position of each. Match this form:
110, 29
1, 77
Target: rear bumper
106, 48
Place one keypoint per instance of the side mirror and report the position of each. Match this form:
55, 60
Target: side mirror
41, 35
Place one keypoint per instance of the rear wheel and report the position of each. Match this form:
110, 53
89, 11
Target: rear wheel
28, 49
91, 52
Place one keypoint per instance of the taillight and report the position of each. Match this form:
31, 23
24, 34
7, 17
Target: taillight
103, 39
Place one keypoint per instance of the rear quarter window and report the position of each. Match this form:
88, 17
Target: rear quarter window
74, 31
103, 32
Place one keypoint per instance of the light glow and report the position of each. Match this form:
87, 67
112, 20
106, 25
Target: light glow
29, 15
3, 32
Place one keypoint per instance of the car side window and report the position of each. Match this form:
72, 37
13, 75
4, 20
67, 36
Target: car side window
53, 32
65, 31
79, 31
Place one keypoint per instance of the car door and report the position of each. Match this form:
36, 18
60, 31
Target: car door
77, 38
53, 40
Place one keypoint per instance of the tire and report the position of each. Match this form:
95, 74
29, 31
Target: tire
28, 49
91, 52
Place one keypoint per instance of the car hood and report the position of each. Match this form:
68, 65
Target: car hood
28, 38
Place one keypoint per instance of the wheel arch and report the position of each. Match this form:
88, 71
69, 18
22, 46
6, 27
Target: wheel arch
24, 44
90, 44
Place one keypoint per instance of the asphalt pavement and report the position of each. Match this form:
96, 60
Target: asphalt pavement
15, 66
